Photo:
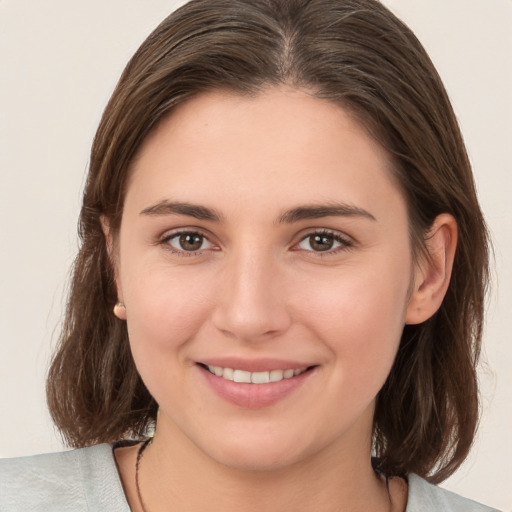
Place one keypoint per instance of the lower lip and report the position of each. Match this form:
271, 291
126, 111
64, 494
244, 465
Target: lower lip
254, 396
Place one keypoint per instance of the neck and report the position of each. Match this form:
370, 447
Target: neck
173, 471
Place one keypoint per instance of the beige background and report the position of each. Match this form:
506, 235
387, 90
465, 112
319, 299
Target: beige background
59, 61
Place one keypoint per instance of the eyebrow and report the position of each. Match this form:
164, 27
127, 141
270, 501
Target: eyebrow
178, 208
324, 210
299, 213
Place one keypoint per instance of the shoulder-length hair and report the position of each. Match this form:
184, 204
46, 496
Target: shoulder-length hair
354, 53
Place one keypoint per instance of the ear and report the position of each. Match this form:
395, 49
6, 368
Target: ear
119, 308
432, 273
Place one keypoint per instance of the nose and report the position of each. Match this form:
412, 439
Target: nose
251, 305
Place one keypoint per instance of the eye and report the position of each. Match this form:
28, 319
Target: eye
188, 241
324, 241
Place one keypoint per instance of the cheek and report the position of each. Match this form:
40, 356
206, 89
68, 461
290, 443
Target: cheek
360, 318
165, 311
361, 326
165, 308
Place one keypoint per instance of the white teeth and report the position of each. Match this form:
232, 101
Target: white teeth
260, 378
276, 375
227, 373
254, 377
242, 376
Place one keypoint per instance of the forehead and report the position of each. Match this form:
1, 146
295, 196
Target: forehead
280, 146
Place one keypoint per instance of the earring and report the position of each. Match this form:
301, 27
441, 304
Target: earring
120, 310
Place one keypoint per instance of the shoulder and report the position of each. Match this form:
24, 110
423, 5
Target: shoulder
425, 497
74, 481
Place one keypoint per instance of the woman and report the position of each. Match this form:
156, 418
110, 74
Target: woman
282, 246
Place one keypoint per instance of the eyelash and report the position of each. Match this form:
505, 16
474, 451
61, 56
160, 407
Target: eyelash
165, 241
345, 242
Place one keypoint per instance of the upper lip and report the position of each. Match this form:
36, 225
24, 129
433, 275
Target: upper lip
254, 365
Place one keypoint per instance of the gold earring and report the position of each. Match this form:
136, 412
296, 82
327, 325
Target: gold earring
120, 310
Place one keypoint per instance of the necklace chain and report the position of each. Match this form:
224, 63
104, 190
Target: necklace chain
140, 452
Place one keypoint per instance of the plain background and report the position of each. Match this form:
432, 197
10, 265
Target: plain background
59, 62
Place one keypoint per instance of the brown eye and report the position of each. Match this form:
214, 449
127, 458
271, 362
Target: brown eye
321, 242
191, 241
188, 242
324, 242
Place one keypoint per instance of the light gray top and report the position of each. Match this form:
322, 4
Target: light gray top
87, 480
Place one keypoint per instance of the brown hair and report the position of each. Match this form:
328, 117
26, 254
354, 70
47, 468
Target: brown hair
355, 53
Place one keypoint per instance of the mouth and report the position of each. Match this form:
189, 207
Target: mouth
255, 384
247, 377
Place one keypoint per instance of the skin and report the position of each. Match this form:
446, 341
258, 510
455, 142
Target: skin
259, 287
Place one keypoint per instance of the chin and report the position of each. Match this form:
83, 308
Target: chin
256, 460
261, 453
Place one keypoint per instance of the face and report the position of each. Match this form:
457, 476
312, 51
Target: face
265, 263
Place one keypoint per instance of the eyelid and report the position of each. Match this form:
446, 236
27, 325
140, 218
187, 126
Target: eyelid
168, 235
346, 242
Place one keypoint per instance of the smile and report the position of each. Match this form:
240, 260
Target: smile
255, 384
246, 377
